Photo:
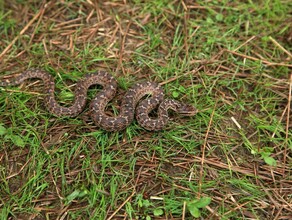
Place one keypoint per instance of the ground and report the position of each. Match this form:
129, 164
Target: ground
230, 59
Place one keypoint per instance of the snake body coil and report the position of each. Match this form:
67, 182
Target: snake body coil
130, 102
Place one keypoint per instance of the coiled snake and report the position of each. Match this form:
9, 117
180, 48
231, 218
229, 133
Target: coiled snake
129, 103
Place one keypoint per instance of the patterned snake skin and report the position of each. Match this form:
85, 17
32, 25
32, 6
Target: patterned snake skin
130, 102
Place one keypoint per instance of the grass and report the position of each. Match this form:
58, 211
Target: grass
232, 60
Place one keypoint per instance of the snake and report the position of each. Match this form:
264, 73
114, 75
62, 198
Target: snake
138, 102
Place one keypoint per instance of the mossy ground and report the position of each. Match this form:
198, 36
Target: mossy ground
232, 60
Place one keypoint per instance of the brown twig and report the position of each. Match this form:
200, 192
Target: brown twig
256, 59
121, 206
281, 47
204, 148
287, 122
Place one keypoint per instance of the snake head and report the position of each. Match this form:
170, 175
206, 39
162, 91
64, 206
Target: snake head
186, 110
182, 108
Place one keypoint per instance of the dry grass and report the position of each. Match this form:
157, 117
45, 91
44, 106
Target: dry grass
231, 60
